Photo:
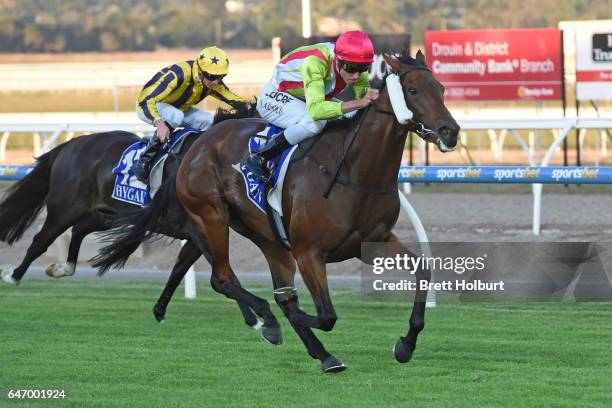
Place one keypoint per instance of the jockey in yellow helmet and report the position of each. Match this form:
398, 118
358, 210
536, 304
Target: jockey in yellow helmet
168, 99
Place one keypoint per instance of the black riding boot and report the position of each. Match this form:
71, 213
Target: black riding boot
256, 162
143, 166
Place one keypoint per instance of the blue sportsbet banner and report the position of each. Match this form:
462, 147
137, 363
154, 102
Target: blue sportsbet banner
505, 174
457, 174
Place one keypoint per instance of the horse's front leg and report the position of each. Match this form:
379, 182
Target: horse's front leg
405, 345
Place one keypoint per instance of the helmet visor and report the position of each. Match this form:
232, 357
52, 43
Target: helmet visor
353, 68
212, 77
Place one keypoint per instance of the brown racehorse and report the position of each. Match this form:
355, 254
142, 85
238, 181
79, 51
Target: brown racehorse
362, 209
363, 206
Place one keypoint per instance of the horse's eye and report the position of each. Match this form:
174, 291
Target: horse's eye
412, 91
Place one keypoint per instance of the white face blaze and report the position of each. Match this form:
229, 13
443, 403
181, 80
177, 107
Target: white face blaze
396, 96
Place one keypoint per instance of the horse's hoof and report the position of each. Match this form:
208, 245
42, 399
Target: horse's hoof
60, 270
332, 365
402, 353
258, 325
272, 335
52, 271
7, 276
160, 315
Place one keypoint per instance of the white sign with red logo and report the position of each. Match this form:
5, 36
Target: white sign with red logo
594, 60
481, 65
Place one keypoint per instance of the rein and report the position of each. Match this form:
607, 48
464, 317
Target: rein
419, 129
335, 176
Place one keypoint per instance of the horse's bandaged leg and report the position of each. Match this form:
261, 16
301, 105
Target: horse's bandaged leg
287, 299
285, 295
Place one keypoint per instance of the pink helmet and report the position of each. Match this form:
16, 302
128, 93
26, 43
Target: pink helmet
355, 47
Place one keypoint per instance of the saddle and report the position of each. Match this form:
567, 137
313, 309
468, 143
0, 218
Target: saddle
268, 197
133, 191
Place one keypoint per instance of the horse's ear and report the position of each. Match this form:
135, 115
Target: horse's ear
393, 62
420, 58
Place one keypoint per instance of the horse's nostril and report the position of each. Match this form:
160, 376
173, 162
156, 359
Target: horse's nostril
449, 136
445, 131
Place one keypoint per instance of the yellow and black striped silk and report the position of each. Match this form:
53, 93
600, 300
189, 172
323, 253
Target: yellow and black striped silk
178, 85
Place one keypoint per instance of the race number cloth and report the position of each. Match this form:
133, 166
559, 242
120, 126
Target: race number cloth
127, 187
254, 186
131, 190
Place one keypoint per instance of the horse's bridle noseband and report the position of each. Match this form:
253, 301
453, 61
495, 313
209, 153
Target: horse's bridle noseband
414, 126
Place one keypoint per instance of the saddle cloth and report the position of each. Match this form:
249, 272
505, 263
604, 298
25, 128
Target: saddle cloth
131, 190
278, 168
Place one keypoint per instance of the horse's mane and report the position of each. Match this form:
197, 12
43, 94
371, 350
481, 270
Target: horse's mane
239, 111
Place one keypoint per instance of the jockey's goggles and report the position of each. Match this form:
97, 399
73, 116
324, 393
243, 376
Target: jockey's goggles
353, 68
212, 77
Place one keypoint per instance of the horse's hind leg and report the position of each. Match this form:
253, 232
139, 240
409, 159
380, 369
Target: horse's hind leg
188, 255
91, 223
214, 218
282, 266
50, 230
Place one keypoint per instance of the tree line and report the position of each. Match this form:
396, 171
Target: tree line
136, 25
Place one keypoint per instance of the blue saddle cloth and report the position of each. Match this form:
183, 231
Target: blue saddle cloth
127, 187
254, 186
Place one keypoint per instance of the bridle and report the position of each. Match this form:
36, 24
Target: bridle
413, 126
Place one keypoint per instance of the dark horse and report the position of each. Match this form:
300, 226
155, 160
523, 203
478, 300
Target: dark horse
362, 207
75, 181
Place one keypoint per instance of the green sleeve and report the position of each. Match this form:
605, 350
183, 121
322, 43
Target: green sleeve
314, 71
362, 85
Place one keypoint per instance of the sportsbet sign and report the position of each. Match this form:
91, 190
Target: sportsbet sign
485, 65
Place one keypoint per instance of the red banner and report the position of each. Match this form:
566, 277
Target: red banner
485, 65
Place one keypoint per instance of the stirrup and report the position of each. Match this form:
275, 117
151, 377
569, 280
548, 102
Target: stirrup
258, 166
141, 171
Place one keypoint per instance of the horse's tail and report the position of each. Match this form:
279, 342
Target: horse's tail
134, 226
23, 200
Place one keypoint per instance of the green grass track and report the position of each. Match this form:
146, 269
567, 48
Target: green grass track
98, 340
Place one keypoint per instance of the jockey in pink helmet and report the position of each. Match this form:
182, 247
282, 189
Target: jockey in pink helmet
300, 96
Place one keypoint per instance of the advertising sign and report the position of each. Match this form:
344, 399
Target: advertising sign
485, 65
594, 60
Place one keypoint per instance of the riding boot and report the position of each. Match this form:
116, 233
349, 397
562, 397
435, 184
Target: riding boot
143, 166
256, 161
